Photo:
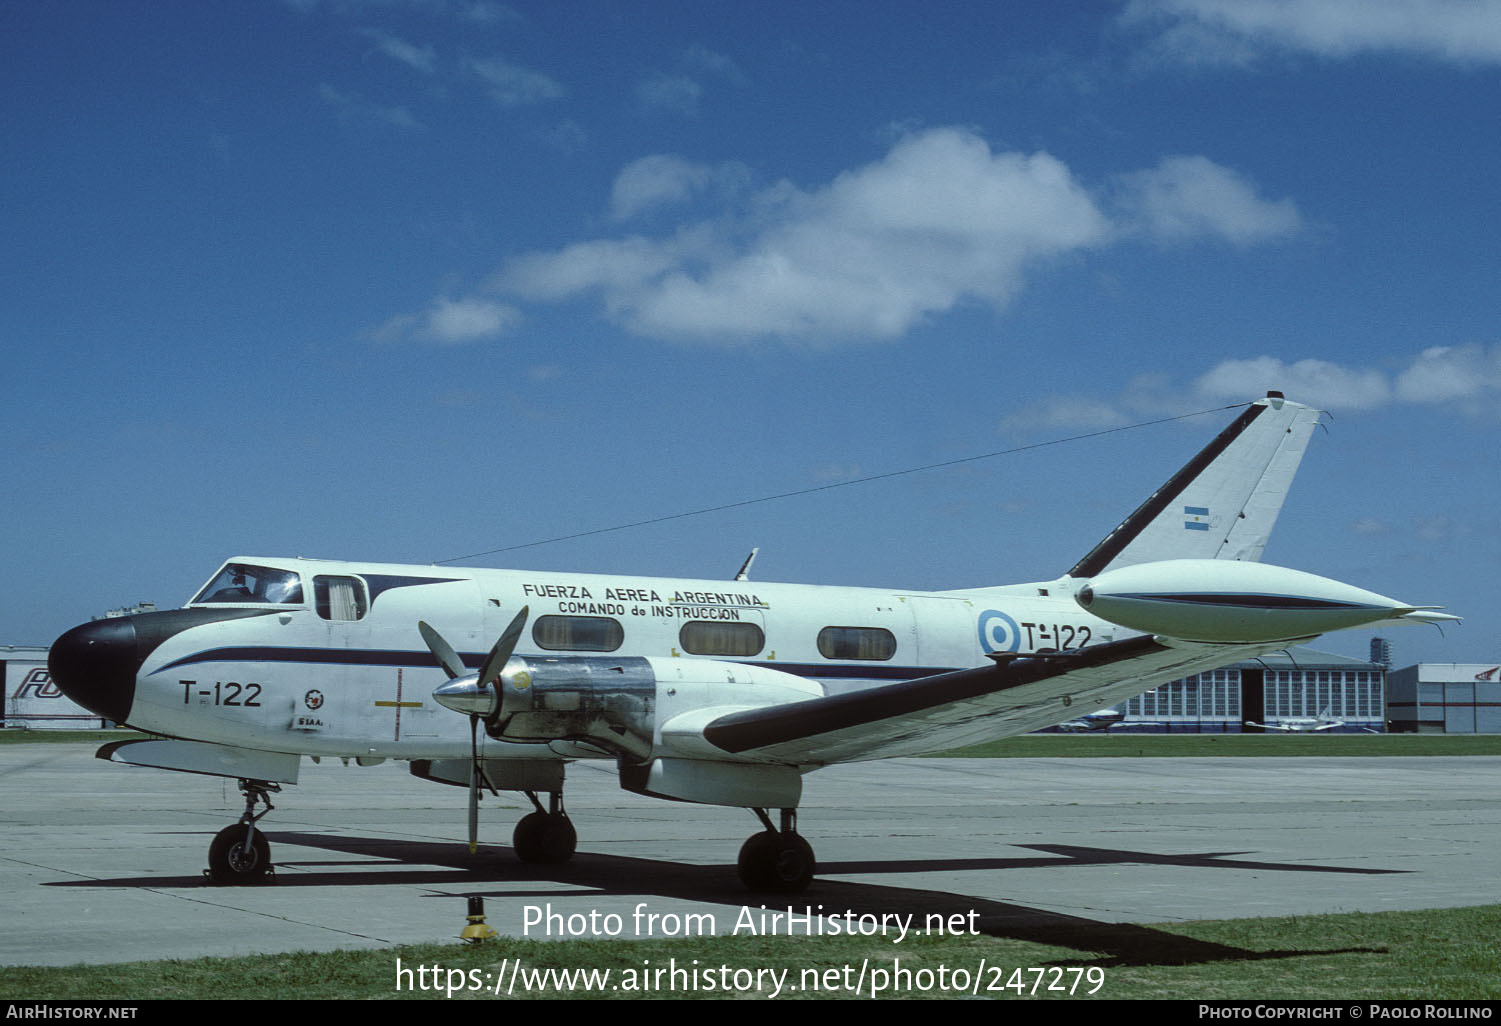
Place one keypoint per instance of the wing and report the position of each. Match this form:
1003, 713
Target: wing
950, 710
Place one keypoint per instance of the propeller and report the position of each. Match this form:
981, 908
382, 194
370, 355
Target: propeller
472, 693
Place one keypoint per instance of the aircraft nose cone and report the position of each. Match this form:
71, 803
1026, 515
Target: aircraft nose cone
95, 665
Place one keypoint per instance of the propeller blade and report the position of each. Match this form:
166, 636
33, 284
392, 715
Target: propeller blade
442, 651
501, 653
474, 772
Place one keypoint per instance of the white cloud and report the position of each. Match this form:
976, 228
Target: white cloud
451, 322
511, 85
664, 180
1447, 373
468, 320
1067, 411
1464, 379
938, 221
654, 181
1236, 31
1314, 382
620, 268
1185, 198
419, 58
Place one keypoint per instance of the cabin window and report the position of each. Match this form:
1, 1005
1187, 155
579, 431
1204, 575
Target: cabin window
339, 598
856, 643
578, 633
713, 638
258, 585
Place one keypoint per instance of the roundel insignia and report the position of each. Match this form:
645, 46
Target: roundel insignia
998, 632
313, 699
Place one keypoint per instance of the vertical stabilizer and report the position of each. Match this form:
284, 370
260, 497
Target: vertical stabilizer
1224, 502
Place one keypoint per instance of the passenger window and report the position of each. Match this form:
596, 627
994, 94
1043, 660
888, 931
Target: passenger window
339, 598
578, 633
856, 643
709, 637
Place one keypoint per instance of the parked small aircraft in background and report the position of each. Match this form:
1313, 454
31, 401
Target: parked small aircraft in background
1102, 719
1301, 724
725, 693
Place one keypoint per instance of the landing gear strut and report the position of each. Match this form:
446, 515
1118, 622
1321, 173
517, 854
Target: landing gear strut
545, 837
240, 854
779, 861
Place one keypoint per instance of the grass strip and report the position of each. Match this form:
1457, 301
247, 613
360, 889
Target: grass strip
1432, 954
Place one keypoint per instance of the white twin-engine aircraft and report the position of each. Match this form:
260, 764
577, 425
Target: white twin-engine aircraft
725, 693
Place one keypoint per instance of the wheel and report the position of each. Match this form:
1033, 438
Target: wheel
545, 838
230, 861
779, 863
756, 856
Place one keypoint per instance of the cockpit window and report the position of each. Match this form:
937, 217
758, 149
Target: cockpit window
259, 585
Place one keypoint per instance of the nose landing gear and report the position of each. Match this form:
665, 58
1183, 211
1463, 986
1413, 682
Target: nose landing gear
240, 854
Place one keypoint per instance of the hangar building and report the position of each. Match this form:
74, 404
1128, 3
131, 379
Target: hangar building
1300, 683
31, 699
1445, 698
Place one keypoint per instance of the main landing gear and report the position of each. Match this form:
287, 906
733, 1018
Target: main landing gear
240, 854
545, 837
778, 861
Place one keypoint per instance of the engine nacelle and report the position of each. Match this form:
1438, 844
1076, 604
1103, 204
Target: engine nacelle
636, 708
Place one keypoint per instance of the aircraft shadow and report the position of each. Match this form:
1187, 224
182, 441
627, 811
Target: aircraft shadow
1074, 855
453, 873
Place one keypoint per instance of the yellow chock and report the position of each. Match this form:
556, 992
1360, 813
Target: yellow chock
477, 930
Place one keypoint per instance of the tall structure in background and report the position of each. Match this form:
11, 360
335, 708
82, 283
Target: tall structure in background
1381, 653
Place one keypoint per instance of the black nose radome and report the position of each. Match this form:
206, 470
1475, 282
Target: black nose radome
95, 665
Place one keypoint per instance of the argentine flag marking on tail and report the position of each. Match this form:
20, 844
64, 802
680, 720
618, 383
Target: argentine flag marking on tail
1197, 518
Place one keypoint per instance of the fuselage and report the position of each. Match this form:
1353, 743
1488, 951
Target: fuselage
324, 657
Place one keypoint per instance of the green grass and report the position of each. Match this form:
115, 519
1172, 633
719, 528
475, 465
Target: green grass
1451, 953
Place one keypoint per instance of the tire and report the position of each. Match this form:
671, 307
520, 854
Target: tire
776, 863
231, 862
755, 860
545, 839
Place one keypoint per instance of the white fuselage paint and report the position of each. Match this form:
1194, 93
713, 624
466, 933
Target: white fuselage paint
293, 681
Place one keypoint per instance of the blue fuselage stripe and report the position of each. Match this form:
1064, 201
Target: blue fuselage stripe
424, 660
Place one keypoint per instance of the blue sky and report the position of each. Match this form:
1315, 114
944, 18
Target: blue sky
412, 279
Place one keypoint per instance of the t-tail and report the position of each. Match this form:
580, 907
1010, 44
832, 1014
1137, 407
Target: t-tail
1186, 564
1224, 502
